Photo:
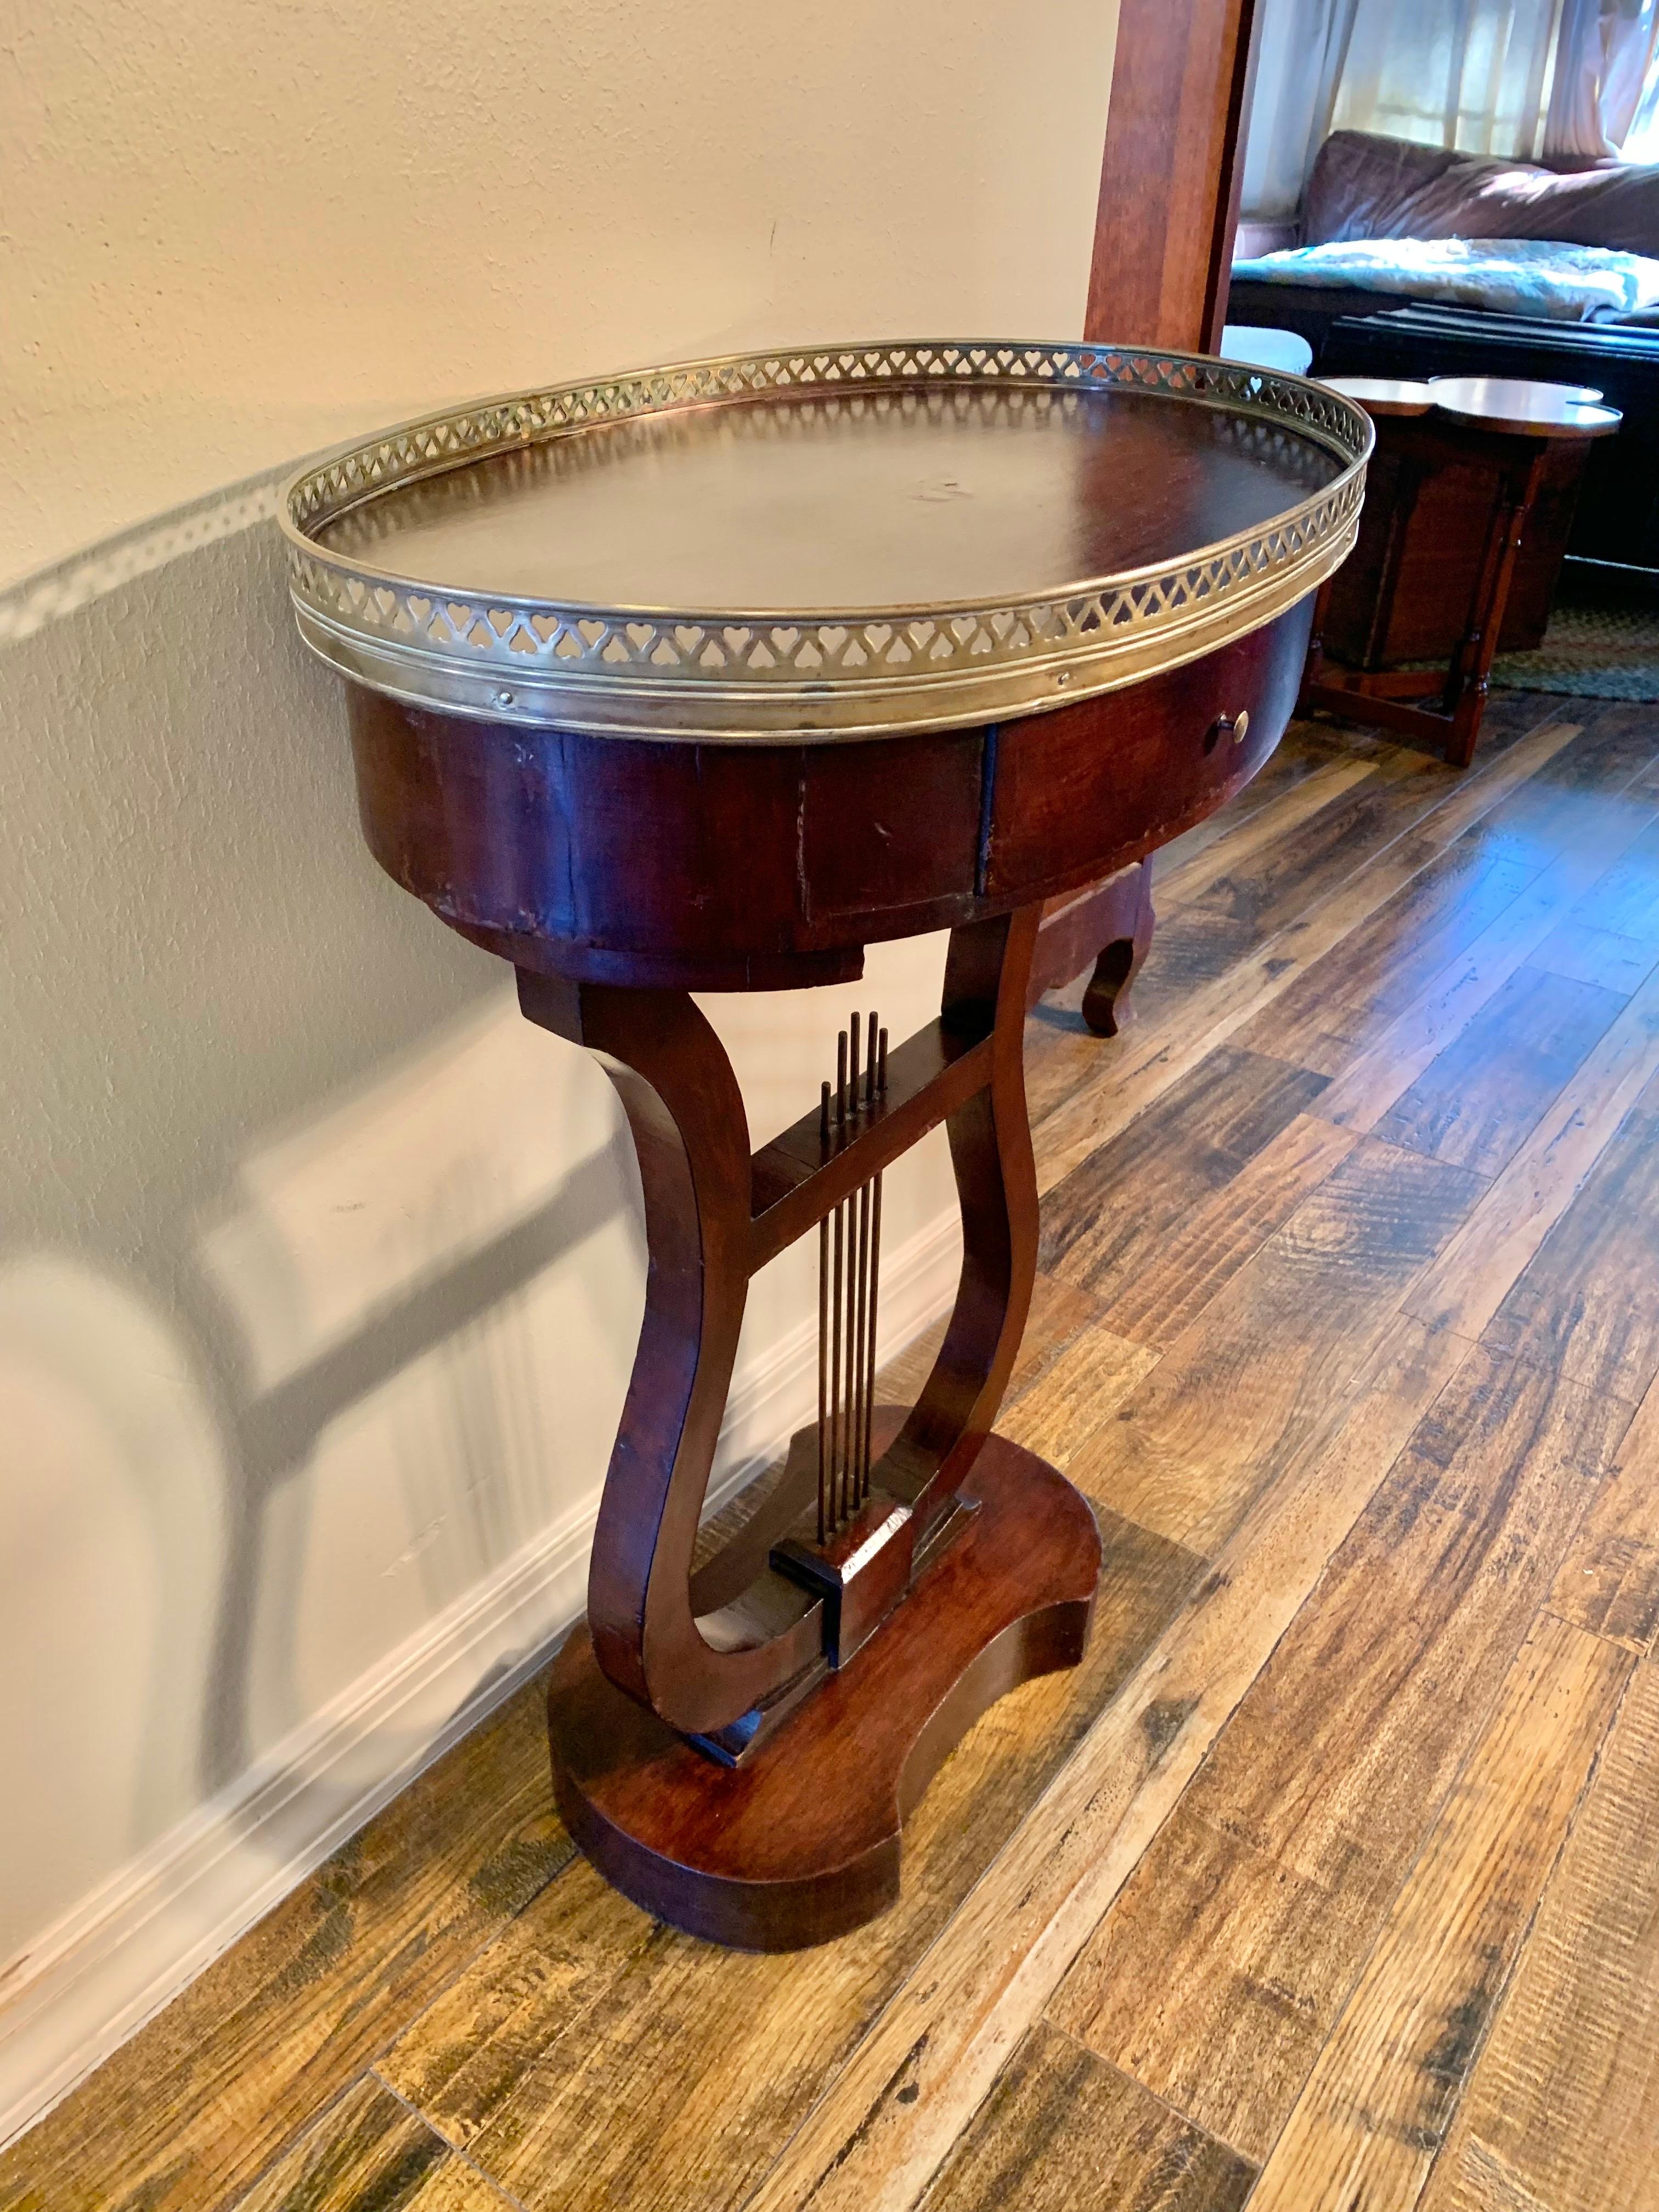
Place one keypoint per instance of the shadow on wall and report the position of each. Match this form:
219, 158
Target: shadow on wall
320, 1270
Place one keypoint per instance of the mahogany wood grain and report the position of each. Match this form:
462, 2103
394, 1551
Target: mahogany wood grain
1171, 173
1404, 592
986, 975
800, 497
690, 1134
802, 1842
612, 861
1108, 928
1061, 779
796, 1178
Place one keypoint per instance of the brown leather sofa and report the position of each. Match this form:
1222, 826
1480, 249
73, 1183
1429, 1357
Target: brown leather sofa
1368, 186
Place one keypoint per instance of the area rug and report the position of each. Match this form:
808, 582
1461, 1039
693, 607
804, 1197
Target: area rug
1602, 644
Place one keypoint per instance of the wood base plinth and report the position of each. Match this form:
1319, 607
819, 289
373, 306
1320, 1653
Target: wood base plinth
802, 1842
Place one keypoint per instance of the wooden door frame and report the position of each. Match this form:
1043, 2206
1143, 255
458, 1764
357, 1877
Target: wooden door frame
1171, 172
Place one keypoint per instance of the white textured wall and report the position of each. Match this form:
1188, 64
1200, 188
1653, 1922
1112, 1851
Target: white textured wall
234, 232
255, 1105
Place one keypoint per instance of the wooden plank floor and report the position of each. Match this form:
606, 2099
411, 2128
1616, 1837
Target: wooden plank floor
1331, 1878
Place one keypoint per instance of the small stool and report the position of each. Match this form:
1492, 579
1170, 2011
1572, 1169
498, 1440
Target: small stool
1505, 430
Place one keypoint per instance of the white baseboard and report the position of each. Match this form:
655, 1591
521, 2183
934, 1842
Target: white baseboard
113, 1961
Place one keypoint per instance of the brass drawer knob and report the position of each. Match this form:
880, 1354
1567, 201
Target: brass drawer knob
1236, 727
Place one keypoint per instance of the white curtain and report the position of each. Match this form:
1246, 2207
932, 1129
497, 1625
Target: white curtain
1472, 74
1601, 101
1300, 59
1555, 80
1299, 64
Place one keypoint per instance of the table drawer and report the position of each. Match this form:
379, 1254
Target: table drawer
1083, 790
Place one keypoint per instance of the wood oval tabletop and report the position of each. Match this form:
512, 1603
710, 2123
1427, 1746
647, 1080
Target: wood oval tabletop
837, 545
881, 500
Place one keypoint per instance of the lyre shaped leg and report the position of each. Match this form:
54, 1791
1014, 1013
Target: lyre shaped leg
985, 989
702, 1674
797, 1838
692, 1138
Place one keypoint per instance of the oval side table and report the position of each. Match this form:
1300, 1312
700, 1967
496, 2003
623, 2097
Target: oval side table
704, 678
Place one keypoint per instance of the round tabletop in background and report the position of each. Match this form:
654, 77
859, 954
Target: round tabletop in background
1521, 406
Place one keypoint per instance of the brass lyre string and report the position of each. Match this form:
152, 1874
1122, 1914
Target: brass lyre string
837, 1424
849, 1267
855, 1332
823, 1332
875, 1083
857, 1239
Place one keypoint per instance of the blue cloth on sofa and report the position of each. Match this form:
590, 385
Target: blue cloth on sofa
1506, 276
